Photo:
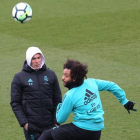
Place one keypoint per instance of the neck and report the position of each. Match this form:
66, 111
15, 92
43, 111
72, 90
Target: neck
73, 85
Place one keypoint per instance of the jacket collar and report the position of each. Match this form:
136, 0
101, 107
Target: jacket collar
26, 67
74, 84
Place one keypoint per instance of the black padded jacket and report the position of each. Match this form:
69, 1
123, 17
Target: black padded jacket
35, 95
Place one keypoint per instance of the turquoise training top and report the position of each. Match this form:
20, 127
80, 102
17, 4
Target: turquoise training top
84, 101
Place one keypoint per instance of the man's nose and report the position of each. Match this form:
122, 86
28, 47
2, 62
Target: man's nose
62, 77
36, 60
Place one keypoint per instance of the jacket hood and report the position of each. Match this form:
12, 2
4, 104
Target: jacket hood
31, 51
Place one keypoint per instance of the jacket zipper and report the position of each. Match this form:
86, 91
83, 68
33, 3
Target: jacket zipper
40, 97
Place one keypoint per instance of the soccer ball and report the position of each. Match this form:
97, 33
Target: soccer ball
22, 12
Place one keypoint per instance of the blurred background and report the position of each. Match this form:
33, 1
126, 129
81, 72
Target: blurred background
104, 34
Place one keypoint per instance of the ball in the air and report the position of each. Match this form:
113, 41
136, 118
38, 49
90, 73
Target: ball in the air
22, 12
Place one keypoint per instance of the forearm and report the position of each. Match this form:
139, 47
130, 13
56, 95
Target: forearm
63, 110
17, 109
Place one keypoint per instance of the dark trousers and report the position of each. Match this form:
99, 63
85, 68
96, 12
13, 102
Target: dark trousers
34, 131
69, 132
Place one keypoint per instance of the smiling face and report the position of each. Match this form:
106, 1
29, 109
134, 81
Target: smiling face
36, 61
66, 78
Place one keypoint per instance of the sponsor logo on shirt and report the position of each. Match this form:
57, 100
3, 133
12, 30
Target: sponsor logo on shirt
93, 109
89, 96
30, 82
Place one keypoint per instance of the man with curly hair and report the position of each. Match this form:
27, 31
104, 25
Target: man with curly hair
84, 101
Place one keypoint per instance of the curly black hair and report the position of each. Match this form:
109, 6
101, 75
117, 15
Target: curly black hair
78, 70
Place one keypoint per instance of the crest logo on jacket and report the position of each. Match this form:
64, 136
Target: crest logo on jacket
30, 82
46, 80
89, 96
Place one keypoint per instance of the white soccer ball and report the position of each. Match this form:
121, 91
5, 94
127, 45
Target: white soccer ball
22, 12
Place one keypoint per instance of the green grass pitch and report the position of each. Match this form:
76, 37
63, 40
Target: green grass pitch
105, 34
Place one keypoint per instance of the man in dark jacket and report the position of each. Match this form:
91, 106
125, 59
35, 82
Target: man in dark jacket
35, 94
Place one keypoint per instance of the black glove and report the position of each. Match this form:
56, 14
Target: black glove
129, 106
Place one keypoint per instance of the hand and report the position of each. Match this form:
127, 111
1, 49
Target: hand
129, 106
26, 126
56, 124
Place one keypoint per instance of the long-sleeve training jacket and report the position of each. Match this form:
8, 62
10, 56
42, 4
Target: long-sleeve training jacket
35, 96
84, 101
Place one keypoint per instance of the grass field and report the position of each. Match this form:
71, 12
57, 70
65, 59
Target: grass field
101, 33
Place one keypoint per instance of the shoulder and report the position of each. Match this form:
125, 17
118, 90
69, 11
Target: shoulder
22, 74
89, 80
16, 78
18, 74
50, 71
71, 92
67, 96
50, 74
